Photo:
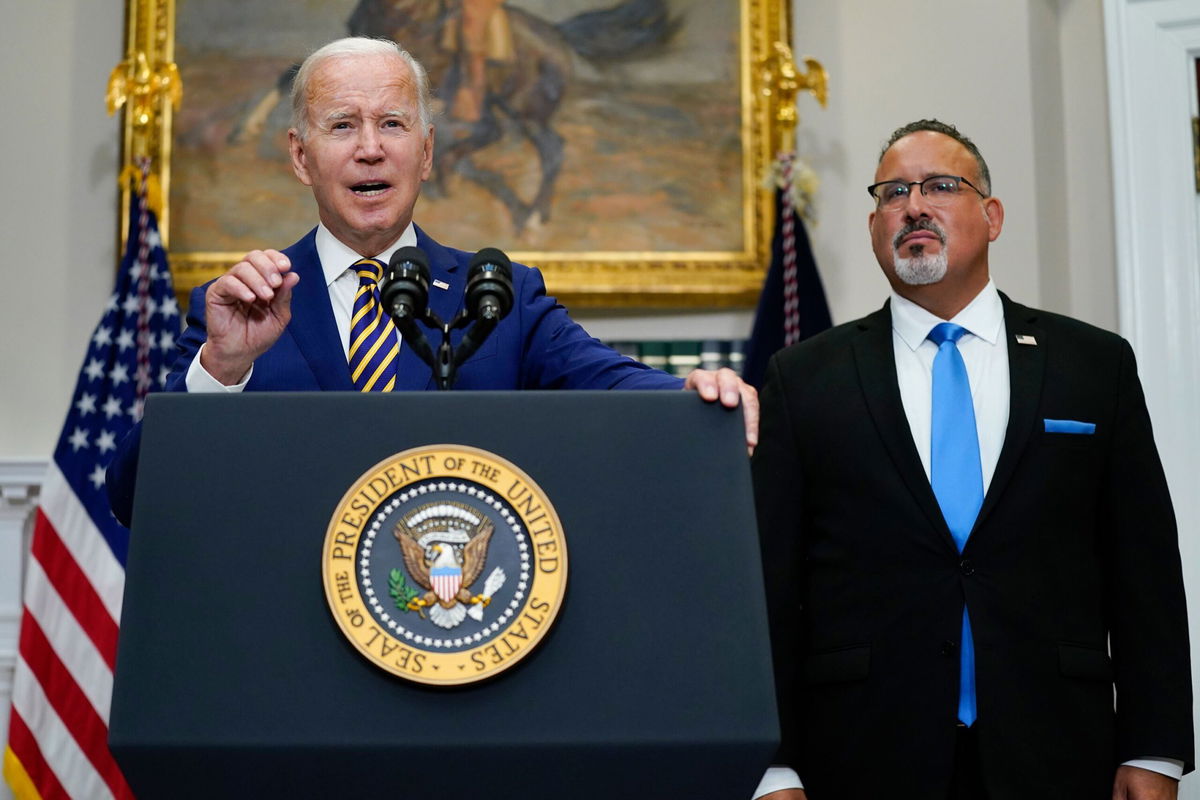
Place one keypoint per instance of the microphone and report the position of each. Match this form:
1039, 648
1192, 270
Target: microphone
406, 292
489, 286
405, 297
489, 297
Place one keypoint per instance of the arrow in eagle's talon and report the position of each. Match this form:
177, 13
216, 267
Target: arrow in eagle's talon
493, 583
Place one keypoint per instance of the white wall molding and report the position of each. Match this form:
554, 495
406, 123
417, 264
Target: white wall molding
1150, 46
20, 486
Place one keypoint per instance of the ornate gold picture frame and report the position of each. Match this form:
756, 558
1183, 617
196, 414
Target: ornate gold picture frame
660, 200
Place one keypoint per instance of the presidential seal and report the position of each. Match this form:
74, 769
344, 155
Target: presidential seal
444, 564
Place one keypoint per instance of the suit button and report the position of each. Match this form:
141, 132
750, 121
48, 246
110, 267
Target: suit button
949, 648
967, 567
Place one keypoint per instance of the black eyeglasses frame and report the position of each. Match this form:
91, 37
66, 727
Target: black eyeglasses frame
878, 201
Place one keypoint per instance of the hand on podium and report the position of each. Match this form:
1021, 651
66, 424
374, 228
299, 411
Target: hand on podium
726, 386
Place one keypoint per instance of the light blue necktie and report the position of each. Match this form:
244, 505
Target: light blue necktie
956, 476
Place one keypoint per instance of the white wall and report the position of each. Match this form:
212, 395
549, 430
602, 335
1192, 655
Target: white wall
57, 207
1091, 283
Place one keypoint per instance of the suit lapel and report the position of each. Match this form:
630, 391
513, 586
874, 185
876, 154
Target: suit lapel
317, 335
875, 358
1026, 369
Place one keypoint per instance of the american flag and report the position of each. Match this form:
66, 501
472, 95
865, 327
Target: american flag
75, 574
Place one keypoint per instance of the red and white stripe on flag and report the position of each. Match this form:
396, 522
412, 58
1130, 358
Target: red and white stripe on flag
75, 574
58, 728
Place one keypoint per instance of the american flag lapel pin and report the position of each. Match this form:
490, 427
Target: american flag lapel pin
440, 284
1024, 338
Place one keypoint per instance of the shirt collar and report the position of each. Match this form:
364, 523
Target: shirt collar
982, 317
336, 257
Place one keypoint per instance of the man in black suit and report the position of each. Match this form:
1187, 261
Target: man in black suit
950, 616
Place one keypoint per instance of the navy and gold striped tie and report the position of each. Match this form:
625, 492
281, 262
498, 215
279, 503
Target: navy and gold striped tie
374, 346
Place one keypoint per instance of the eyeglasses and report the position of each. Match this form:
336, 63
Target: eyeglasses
939, 190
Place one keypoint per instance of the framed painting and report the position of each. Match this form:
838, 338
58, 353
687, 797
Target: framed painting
618, 145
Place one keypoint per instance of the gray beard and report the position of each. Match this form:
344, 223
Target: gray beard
920, 270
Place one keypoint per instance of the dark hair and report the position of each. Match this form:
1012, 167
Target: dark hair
985, 177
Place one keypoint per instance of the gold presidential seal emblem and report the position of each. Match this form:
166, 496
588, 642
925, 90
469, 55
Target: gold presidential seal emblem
444, 564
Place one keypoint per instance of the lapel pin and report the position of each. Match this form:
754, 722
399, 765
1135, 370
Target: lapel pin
440, 284
1025, 339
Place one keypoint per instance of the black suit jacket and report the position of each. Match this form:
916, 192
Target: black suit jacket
1075, 546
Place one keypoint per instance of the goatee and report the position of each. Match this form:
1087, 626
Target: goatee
920, 269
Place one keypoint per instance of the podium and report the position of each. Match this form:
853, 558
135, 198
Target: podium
234, 680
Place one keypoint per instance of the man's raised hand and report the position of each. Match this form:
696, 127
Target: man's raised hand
246, 310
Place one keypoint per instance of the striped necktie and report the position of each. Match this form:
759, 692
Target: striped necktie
374, 347
956, 476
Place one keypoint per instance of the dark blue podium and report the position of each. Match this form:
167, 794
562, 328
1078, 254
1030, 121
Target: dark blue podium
233, 679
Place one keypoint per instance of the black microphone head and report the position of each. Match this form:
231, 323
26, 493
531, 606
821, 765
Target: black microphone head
489, 283
407, 282
490, 256
412, 256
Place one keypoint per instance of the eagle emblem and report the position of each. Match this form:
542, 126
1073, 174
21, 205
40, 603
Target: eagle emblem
445, 546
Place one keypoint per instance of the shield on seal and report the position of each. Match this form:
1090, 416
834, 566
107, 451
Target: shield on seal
446, 581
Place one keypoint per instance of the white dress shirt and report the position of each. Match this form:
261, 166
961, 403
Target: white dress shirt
337, 262
984, 348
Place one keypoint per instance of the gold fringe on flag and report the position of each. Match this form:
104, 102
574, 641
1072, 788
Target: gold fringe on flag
147, 86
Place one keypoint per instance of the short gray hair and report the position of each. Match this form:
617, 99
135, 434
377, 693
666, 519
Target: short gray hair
357, 46
946, 129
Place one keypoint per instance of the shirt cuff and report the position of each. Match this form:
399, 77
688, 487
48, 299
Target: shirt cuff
777, 779
1172, 768
198, 380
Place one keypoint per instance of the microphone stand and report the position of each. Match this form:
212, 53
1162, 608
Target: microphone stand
447, 360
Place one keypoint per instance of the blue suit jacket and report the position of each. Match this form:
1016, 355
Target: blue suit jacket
537, 346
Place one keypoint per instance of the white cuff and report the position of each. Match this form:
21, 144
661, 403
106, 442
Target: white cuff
777, 779
199, 380
1163, 766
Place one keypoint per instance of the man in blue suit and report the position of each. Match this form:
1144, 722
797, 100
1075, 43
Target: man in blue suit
362, 139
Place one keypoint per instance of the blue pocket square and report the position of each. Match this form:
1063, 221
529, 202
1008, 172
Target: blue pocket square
1069, 426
